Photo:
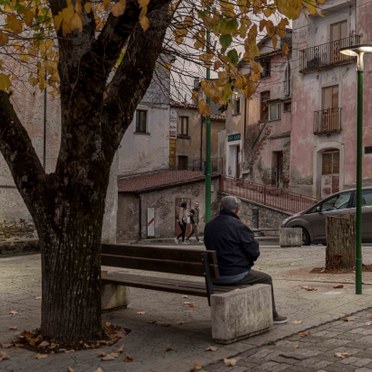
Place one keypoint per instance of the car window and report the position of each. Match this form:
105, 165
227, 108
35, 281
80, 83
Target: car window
339, 201
366, 197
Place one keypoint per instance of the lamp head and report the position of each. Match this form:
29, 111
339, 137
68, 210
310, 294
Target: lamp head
355, 50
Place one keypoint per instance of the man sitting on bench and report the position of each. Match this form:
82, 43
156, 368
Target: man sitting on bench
236, 249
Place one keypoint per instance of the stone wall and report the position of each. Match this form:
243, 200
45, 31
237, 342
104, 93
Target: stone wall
132, 209
267, 217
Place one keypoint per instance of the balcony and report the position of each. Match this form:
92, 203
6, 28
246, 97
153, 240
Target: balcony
325, 55
327, 121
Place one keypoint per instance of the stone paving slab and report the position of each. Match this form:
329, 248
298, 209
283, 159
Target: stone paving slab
168, 334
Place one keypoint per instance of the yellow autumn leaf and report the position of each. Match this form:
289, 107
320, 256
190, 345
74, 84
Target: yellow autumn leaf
14, 24
4, 82
67, 14
285, 48
145, 23
57, 21
119, 8
3, 38
88, 7
76, 23
29, 17
256, 67
204, 108
106, 5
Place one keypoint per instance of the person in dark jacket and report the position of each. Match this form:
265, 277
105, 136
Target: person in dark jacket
236, 249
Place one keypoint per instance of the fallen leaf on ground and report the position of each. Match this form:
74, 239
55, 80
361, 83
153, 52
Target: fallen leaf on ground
184, 296
196, 367
121, 349
338, 286
40, 356
13, 312
369, 323
128, 359
44, 344
229, 362
69, 369
3, 356
190, 304
168, 349
370, 316
211, 348
141, 312
13, 328
342, 355
109, 356
99, 369
304, 334
5, 346
308, 288
152, 322
296, 321
347, 318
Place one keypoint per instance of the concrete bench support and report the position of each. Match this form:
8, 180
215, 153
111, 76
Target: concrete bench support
114, 296
241, 313
290, 237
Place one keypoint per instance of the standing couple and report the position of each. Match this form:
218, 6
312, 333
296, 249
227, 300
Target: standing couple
182, 219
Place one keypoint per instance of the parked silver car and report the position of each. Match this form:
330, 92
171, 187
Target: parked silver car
312, 220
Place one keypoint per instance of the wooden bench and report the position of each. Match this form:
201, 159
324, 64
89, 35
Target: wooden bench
189, 263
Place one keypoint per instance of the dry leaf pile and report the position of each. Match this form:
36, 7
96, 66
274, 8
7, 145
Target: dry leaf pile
33, 340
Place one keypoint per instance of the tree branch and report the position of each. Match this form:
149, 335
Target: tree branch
20, 155
134, 75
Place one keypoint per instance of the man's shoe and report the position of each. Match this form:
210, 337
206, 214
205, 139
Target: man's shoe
176, 240
278, 319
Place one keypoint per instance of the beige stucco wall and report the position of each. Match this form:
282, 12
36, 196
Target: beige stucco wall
190, 146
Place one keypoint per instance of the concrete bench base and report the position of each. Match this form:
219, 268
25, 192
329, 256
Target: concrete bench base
114, 296
290, 237
241, 313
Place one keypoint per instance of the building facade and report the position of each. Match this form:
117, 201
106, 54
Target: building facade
323, 135
257, 139
188, 139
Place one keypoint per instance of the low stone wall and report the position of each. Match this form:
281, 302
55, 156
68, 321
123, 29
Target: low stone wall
19, 247
267, 217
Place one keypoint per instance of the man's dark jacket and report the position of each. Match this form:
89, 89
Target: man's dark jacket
233, 242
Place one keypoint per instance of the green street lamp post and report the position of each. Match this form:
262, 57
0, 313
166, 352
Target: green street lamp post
358, 51
208, 167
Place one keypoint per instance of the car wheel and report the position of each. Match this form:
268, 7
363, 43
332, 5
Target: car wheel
305, 237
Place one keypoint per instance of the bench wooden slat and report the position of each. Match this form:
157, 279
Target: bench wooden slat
149, 264
160, 284
163, 259
166, 253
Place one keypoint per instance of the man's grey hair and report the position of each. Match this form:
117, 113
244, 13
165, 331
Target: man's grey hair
230, 202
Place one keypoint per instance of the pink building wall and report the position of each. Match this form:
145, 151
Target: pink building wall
307, 147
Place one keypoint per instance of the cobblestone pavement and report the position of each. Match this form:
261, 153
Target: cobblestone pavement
341, 345
167, 334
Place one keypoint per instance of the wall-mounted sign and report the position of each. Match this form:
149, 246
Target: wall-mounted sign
233, 137
173, 124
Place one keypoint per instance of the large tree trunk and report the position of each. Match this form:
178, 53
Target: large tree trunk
340, 251
70, 251
71, 281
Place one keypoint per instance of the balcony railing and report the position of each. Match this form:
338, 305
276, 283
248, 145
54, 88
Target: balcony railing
327, 54
327, 121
